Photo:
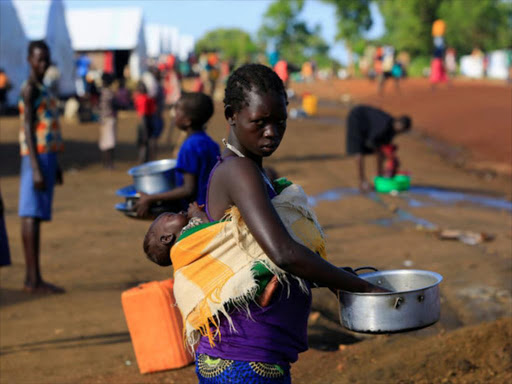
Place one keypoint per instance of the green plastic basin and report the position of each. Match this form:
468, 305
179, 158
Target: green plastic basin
388, 184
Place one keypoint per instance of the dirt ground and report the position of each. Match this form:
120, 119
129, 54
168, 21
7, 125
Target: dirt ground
461, 143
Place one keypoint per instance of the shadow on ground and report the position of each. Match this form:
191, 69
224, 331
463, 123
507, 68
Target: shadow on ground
13, 296
324, 338
68, 343
77, 154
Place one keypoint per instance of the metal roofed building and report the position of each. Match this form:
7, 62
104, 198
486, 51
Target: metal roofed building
117, 30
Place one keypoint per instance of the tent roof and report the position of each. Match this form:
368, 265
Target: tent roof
13, 49
104, 28
33, 15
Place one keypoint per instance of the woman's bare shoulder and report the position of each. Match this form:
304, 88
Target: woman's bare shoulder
239, 169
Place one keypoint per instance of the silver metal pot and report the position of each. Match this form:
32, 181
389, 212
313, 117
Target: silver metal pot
154, 177
413, 303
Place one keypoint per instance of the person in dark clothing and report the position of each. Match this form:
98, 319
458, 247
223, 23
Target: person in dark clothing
5, 86
368, 129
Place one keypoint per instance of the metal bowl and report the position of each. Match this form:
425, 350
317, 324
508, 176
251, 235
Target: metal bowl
413, 303
154, 176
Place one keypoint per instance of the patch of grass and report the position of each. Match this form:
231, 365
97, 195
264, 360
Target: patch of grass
418, 66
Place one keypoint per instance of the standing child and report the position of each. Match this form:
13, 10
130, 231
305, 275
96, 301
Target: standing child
146, 108
108, 127
196, 157
40, 140
123, 95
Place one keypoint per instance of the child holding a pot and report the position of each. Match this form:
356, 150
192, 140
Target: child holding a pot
196, 158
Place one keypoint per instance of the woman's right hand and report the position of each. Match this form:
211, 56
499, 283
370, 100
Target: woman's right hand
377, 289
371, 288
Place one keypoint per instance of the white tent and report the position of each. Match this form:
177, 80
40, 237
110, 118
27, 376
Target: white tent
161, 40
472, 66
110, 29
153, 35
186, 46
45, 19
172, 38
13, 49
498, 68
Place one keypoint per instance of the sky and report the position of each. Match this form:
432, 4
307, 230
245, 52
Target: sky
196, 17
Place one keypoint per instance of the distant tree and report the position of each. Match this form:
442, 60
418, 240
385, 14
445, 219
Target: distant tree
469, 23
290, 35
409, 24
484, 23
353, 20
232, 43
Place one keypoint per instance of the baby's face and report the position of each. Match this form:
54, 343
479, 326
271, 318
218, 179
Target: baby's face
169, 224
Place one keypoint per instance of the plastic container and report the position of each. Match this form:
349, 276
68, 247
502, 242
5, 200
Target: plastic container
310, 104
388, 184
438, 28
155, 326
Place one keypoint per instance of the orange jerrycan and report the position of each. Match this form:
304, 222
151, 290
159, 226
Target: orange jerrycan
310, 104
155, 326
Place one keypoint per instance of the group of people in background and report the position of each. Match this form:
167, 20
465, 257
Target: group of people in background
157, 91
41, 142
5, 86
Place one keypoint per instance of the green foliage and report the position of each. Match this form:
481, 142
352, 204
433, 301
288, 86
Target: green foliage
418, 65
409, 23
353, 19
469, 23
233, 43
294, 40
485, 23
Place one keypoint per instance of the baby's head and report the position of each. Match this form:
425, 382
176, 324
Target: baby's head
161, 236
255, 107
193, 110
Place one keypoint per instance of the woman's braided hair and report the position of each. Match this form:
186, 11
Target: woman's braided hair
251, 77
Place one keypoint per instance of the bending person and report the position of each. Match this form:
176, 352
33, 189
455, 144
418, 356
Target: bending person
368, 129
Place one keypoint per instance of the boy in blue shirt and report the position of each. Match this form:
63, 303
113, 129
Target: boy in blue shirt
196, 158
